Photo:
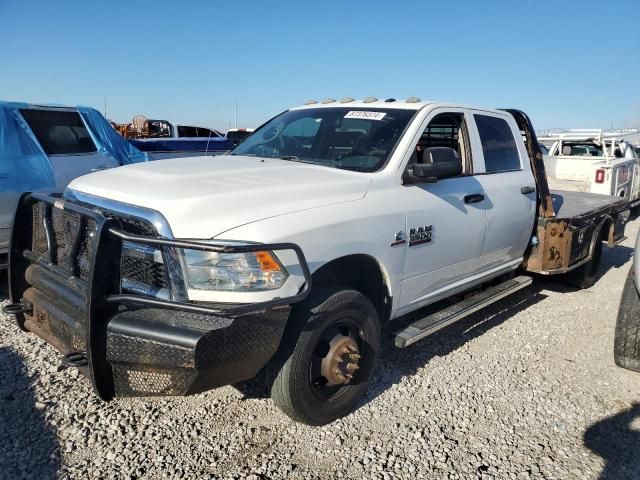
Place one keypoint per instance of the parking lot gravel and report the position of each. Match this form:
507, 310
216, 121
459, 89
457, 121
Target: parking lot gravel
524, 389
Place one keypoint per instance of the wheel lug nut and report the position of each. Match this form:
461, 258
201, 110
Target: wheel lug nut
352, 367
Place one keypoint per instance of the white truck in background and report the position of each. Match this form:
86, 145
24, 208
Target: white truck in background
596, 161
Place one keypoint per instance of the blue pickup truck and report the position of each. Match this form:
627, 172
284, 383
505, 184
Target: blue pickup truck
164, 139
160, 148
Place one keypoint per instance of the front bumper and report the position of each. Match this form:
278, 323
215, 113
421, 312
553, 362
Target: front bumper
132, 345
154, 351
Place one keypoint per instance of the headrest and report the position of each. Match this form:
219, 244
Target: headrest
440, 155
566, 150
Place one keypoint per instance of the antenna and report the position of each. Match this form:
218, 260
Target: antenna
236, 122
105, 105
206, 150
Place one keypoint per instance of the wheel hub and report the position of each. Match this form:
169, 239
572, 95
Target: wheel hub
341, 361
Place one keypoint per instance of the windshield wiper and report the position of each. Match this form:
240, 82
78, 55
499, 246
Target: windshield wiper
330, 163
293, 158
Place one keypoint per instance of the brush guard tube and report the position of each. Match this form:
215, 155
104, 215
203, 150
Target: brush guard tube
136, 345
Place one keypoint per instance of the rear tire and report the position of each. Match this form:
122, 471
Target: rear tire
626, 344
586, 275
302, 388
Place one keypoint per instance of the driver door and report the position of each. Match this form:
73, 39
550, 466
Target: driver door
445, 223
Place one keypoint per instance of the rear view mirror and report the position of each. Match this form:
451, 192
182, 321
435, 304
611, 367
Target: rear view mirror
438, 163
270, 133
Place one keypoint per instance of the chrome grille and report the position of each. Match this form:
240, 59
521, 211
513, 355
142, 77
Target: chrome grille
65, 232
142, 269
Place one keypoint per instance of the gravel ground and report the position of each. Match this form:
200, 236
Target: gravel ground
525, 389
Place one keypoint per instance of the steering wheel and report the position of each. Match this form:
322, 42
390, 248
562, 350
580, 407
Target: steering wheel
289, 145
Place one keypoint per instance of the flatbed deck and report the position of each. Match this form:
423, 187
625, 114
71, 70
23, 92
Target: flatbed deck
569, 204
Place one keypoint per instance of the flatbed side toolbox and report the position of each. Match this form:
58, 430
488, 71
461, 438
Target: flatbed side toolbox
66, 269
568, 239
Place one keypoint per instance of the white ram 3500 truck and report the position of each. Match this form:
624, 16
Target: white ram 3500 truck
291, 254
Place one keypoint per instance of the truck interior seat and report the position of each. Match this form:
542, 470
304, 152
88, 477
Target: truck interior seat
61, 135
440, 155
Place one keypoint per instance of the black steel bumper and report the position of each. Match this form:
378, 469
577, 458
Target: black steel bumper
133, 345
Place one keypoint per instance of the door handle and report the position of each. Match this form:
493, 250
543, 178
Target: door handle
526, 190
474, 198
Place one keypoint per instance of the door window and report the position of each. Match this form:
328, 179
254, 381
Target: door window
185, 131
446, 131
205, 132
498, 144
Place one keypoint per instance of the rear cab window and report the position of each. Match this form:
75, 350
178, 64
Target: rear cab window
498, 144
59, 132
581, 149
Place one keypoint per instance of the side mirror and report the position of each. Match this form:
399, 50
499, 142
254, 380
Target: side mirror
438, 163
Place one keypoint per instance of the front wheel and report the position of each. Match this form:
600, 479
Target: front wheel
327, 356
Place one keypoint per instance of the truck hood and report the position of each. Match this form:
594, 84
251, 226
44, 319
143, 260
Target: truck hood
201, 197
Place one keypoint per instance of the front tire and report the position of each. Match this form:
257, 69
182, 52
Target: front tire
626, 344
327, 356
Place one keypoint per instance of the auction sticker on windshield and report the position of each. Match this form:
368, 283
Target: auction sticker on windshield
365, 115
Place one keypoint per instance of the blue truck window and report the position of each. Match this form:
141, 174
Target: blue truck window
59, 132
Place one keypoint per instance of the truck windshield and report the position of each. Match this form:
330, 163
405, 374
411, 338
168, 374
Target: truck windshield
351, 138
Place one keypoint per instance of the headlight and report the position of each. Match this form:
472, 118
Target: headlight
252, 271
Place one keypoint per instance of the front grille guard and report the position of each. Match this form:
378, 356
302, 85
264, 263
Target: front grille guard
104, 275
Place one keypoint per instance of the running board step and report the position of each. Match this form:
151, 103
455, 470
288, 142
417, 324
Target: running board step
434, 322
